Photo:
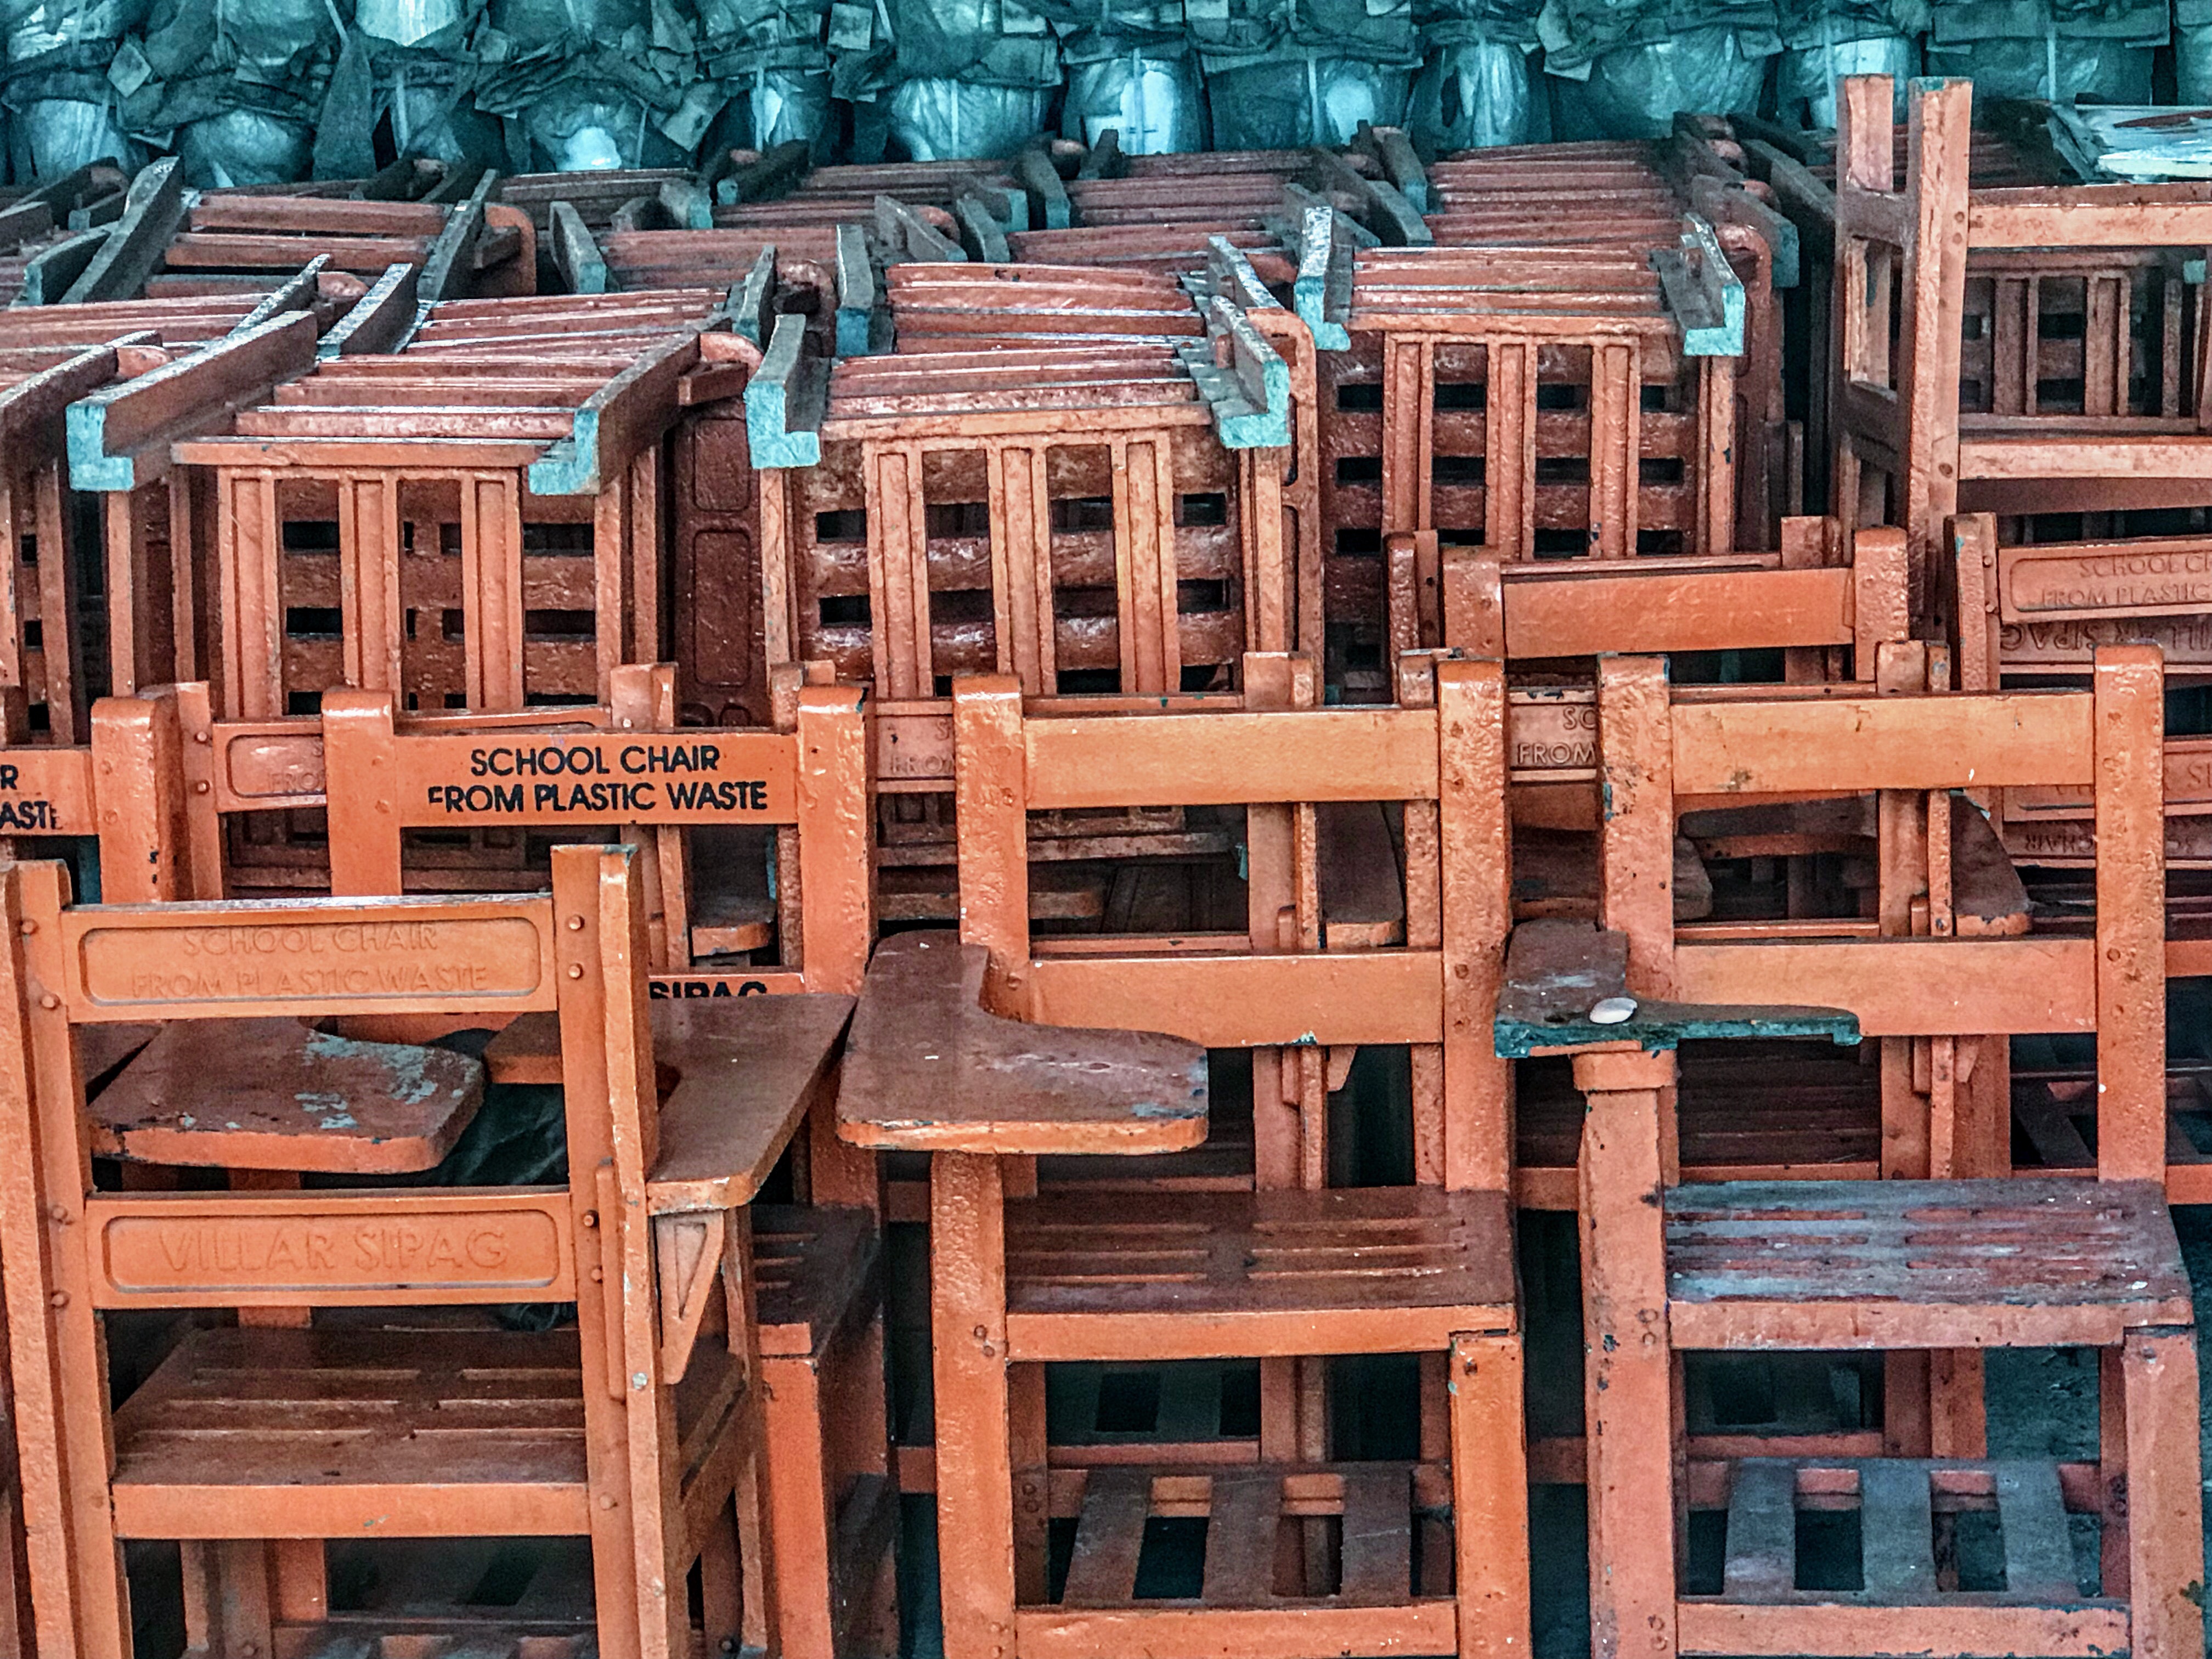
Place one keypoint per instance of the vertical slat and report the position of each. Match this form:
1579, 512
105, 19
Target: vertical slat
779, 591
1509, 469
1014, 605
13, 610
1109, 1537
1612, 457
2130, 824
1021, 566
1240, 1537
1269, 589
2039, 1555
126, 631
1636, 841
1408, 435
58, 610
898, 571
2011, 376
1897, 1532
1717, 469
491, 588
186, 573
2169, 367
253, 638
1144, 565
1762, 1532
610, 597
642, 560
1477, 907
2031, 346
2103, 345
1378, 1537
368, 580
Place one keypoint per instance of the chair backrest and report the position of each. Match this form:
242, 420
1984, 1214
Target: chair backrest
70, 1251
1912, 259
1821, 593
466, 519
625, 767
1662, 754
1075, 499
1274, 987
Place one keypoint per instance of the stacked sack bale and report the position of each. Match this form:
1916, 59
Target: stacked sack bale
2059, 50
771, 60
235, 88
1280, 74
63, 105
952, 77
1823, 41
594, 84
2192, 51
1622, 69
1131, 66
405, 84
1477, 86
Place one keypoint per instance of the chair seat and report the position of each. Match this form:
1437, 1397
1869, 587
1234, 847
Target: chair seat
814, 1266
1874, 1264
1918, 1570
261, 1432
1219, 1275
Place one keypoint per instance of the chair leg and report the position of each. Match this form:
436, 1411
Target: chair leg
1490, 1496
799, 1482
2165, 1504
968, 1342
721, 1581
1628, 1388
298, 1575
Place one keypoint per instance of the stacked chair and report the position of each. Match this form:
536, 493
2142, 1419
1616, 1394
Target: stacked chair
1236, 737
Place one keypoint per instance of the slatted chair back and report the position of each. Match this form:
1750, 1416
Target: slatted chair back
1454, 320
485, 797
1946, 964
64, 639
584, 1436
2016, 424
1588, 229
954, 307
1009, 478
462, 521
1301, 994
2031, 612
